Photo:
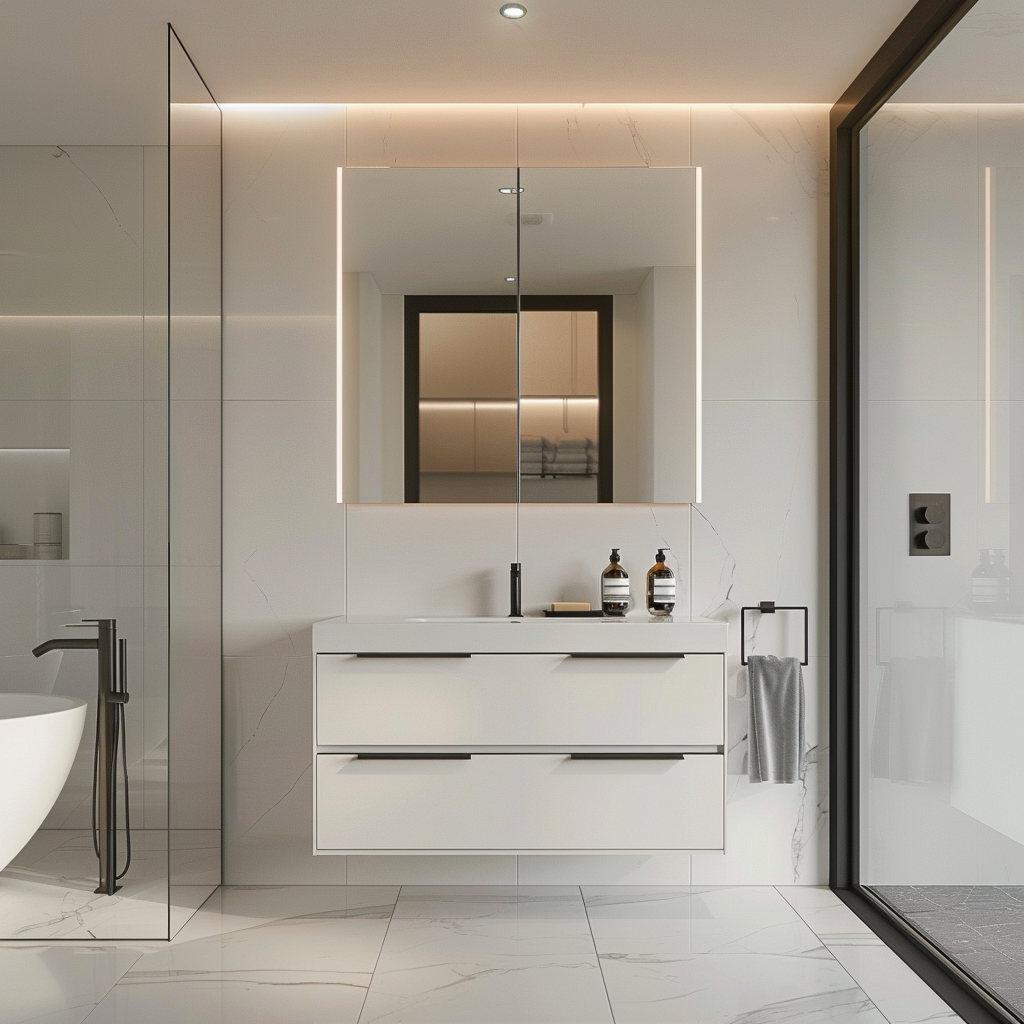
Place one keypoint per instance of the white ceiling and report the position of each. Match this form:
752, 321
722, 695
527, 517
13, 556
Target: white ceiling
79, 71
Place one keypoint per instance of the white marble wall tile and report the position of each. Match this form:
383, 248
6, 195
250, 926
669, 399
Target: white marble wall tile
154, 334
106, 483
597, 869
156, 704
105, 357
195, 483
155, 471
432, 870
761, 533
431, 135
54, 358
284, 531
268, 778
34, 600
765, 240
195, 856
765, 252
25, 424
195, 357
81, 209
603, 135
276, 358
564, 549
195, 706
774, 832
280, 209
452, 559
155, 249
922, 210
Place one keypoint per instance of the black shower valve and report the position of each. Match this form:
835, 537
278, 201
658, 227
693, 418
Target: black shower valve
929, 524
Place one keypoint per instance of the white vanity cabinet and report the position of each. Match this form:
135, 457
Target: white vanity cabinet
519, 737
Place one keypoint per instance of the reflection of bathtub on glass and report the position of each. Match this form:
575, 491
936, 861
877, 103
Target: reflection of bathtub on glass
39, 737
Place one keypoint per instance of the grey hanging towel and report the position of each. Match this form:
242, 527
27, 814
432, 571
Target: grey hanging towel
776, 743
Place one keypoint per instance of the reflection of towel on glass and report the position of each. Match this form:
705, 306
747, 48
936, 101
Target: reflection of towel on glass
910, 741
776, 742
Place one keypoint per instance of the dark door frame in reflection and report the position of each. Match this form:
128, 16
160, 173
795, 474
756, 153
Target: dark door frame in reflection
417, 304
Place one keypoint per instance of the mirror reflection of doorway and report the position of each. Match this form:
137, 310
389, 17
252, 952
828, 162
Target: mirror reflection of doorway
479, 399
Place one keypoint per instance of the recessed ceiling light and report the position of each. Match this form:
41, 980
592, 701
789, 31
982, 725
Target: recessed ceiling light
508, 190
513, 11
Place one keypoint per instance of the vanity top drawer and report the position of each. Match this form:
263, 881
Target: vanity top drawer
520, 700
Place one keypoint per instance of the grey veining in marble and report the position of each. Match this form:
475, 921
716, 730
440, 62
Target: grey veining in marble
981, 926
46, 892
478, 954
58, 983
695, 919
302, 954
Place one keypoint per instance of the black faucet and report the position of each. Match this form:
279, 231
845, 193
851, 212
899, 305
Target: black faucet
515, 583
113, 695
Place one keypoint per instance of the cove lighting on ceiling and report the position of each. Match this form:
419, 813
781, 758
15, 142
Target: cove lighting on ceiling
512, 11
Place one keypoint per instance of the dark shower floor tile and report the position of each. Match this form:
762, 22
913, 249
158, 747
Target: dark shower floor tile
981, 926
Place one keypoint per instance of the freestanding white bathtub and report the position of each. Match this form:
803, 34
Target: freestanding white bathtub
39, 737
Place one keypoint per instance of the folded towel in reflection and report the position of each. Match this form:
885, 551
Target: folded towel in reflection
910, 741
776, 738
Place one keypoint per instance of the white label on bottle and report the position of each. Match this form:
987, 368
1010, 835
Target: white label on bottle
664, 589
615, 589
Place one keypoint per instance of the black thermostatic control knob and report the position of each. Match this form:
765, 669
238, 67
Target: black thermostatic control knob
931, 540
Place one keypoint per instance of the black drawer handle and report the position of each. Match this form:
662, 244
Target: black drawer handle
429, 654
414, 757
631, 654
616, 756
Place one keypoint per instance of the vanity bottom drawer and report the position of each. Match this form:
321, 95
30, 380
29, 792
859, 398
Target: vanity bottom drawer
519, 802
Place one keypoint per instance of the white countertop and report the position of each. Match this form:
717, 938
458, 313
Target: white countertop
452, 635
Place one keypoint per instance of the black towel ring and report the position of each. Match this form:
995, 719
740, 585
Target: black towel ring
770, 608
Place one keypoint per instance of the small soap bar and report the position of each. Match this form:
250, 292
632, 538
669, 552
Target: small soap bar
570, 606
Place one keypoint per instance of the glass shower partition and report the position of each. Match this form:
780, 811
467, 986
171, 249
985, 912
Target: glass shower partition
942, 593
83, 512
110, 509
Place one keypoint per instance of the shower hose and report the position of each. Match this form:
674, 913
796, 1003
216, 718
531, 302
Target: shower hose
120, 739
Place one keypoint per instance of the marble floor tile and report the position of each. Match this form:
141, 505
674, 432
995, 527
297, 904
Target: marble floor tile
480, 954
47, 891
695, 919
712, 988
892, 986
302, 954
828, 916
58, 984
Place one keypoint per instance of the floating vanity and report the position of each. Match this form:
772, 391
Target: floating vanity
519, 736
